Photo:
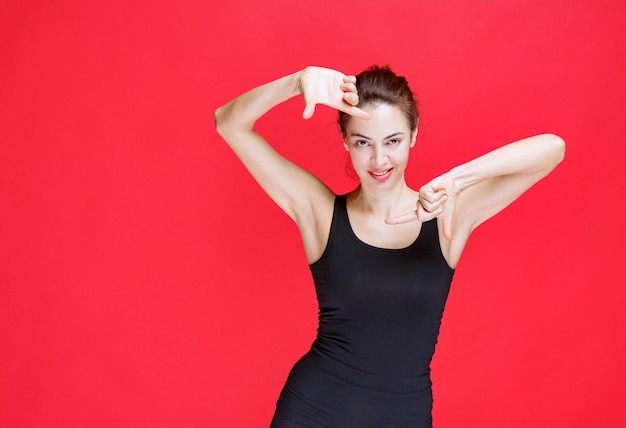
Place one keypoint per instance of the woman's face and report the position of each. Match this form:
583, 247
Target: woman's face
379, 147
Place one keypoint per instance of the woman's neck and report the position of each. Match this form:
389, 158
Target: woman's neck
383, 203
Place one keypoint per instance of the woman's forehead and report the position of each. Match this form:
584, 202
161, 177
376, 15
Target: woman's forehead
386, 120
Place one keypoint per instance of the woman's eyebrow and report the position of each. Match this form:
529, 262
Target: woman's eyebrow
386, 138
393, 135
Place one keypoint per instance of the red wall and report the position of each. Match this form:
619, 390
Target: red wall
145, 280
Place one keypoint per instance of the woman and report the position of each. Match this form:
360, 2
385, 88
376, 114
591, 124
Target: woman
382, 256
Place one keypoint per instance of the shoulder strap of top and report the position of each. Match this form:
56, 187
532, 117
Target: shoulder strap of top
339, 210
339, 214
340, 204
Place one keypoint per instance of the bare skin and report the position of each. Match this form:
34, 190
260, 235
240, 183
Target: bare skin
383, 210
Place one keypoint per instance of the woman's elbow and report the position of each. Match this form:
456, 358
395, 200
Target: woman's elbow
555, 147
558, 147
228, 122
218, 119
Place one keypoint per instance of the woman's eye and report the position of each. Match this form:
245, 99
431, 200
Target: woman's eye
394, 141
361, 143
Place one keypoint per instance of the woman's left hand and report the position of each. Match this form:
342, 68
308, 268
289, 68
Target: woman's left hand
332, 88
437, 198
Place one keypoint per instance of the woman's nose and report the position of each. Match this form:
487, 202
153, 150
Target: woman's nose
380, 156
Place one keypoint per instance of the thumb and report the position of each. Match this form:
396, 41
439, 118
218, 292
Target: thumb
447, 226
309, 109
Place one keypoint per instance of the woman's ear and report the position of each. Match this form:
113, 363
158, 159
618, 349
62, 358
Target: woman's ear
343, 138
414, 134
413, 137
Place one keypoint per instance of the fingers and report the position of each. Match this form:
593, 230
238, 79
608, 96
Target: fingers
351, 98
309, 109
346, 99
357, 112
350, 94
404, 218
420, 214
430, 193
348, 87
434, 203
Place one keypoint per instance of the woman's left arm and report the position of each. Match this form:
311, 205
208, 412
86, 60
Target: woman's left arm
475, 191
481, 188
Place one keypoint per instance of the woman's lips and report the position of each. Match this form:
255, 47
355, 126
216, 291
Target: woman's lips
380, 174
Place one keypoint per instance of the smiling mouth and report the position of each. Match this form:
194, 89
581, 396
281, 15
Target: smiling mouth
380, 174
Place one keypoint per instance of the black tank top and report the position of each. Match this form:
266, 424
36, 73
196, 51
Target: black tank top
379, 316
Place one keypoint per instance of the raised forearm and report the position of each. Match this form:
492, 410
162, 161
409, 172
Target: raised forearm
241, 113
533, 155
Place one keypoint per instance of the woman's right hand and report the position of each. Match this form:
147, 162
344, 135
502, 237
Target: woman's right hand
329, 87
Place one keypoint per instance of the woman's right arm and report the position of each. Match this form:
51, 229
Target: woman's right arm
300, 194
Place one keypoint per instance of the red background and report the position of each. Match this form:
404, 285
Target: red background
146, 280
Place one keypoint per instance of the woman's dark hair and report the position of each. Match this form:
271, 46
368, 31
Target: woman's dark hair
380, 85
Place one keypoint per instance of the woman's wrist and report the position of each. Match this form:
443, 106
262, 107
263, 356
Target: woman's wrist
460, 178
296, 82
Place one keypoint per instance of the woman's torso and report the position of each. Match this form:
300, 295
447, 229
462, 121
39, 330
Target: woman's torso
380, 312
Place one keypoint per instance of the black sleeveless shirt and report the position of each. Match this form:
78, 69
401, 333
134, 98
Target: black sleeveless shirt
379, 316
